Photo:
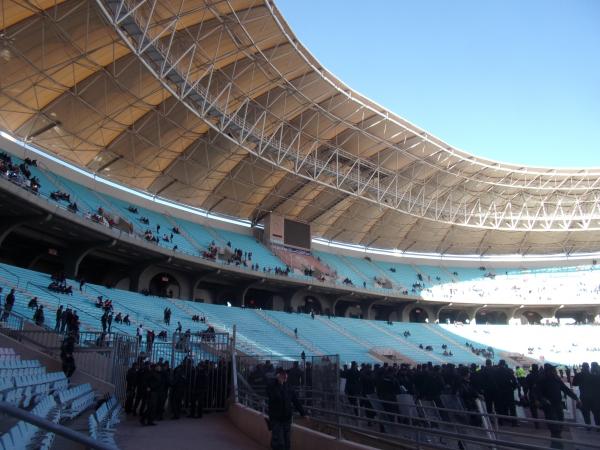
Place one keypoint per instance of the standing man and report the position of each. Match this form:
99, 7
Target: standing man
178, 385
506, 383
139, 332
530, 383
8, 304
130, 379
281, 399
59, 313
585, 381
549, 388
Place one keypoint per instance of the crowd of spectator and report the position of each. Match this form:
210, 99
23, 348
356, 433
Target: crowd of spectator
59, 284
487, 352
496, 385
20, 173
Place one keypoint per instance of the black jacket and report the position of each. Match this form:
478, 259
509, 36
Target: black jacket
281, 399
549, 388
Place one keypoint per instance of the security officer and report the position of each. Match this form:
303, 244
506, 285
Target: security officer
281, 399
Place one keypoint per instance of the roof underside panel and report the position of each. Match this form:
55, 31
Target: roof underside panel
217, 105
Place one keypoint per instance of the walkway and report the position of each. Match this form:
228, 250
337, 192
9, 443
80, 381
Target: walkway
213, 431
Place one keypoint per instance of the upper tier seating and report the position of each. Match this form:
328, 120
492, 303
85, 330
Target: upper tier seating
443, 283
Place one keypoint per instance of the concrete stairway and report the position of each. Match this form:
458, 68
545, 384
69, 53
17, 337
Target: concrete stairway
302, 341
343, 332
406, 343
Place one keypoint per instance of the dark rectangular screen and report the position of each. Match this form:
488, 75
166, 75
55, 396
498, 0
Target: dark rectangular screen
296, 234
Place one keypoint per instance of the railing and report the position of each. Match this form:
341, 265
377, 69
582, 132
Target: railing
134, 313
96, 319
106, 356
12, 274
47, 291
52, 427
428, 426
11, 321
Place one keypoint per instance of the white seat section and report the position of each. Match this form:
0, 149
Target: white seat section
101, 423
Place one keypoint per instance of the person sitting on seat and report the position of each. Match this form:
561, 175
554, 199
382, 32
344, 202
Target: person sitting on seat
33, 303
126, 320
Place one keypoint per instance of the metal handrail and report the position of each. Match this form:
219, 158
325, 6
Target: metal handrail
79, 310
12, 273
260, 401
55, 428
136, 314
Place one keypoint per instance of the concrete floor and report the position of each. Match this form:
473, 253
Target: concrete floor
213, 431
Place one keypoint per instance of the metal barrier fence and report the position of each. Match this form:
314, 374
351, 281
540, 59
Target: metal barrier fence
412, 423
320, 373
106, 356
11, 322
200, 356
109, 355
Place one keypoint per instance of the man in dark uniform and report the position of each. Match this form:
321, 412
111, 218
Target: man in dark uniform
152, 387
549, 388
178, 385
585, 381
199, 385
506, 383
140, 389
487, 382
281, 400
530, 382
163, 389
295, 376
130, 380
353, 387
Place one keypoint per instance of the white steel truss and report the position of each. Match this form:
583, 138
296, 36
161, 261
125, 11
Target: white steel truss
334, 138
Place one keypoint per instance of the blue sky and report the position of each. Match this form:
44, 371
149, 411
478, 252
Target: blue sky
514, 80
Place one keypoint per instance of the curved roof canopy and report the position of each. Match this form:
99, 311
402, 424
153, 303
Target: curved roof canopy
217, 105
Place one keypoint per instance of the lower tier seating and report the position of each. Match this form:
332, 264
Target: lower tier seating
46, 395
272, 332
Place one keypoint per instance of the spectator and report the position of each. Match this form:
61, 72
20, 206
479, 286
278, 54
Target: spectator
38, 316
9, 302
59, 313
33, 303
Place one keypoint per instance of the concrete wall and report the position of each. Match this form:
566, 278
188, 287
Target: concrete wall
123, 283
204, 294
252, 424
278, 303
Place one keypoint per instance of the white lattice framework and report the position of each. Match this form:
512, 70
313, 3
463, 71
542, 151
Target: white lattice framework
215, 104
486, 195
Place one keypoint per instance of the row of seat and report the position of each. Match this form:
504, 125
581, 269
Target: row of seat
72, 393
76, 400
22, 371
15, 362
49, 396
102, 422
25, 436
22, 391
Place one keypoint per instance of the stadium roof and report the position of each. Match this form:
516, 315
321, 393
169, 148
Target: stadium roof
217, 105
